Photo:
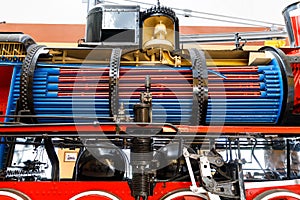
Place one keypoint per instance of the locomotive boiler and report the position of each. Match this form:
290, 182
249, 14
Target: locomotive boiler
188, 86
143, 112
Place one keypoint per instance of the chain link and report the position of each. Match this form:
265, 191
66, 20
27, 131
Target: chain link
114, 80
200, 88
26, 79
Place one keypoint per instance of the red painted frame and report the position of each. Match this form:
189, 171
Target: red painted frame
66, 190
69, 128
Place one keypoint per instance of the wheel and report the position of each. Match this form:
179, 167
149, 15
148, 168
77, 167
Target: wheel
94, 195
278, 194
184, 195
12, 194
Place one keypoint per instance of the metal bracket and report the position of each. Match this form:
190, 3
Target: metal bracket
194, 188
209, 185
121, 116
293, 59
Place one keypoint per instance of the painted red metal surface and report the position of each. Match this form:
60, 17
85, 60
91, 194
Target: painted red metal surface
295, 25
296, 73
295, 65
4, 88
281, 190
234, 130
67, 190
85, 190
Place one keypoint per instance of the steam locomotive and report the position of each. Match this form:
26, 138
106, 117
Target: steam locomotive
139, 117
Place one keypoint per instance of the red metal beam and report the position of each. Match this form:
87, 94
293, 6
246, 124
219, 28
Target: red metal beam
242, 129
280, 130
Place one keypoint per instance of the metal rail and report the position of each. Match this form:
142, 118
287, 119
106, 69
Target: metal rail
230, 37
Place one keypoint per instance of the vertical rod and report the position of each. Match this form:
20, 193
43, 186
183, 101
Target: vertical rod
189, 166
288, 159
240, 173
230, 150
53, 158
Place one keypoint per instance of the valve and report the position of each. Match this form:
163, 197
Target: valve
143, 110
238, 45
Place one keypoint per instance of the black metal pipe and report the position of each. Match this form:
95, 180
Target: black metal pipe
17, 37
53, 158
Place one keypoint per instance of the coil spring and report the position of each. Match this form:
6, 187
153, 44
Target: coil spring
141, 185
141, 156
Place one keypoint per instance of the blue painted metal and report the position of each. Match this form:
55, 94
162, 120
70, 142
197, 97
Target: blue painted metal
175, 108
265, 108
171, 91
48, 101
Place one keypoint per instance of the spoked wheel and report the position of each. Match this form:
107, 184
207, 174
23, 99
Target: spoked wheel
94, 195
184, 195
11, 194
278, 194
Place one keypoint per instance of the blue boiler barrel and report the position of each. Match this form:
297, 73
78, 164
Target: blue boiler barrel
236, 94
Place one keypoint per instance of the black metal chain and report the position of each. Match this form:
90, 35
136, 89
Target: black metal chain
200, 88
114, 81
